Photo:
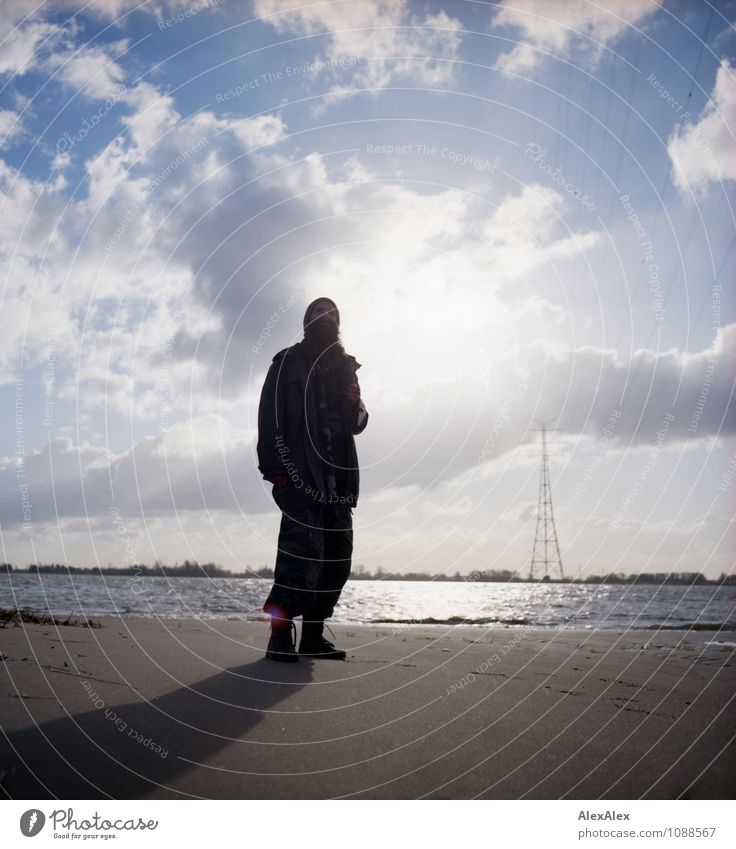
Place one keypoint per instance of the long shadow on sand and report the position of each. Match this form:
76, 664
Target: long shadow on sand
90, 756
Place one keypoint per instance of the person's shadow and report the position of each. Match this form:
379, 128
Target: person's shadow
92, 756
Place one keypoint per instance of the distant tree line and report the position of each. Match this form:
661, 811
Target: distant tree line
188, 569
193, 569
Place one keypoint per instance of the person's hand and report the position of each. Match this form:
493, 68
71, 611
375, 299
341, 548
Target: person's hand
352, 392
277, 480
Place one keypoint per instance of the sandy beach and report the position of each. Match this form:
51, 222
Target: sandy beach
188, 708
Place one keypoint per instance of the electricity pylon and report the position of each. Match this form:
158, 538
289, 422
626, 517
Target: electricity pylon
546, 551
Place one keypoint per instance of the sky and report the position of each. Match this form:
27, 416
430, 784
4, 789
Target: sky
524, 211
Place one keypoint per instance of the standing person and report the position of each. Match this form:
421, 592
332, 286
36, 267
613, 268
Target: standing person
309, 411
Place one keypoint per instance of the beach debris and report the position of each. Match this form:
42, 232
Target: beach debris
19, 615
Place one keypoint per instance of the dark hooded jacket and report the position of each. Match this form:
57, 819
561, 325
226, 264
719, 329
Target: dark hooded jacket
288, 428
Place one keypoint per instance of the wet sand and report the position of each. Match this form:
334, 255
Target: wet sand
146, 708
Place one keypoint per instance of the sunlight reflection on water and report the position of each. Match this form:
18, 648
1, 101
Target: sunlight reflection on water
564, 605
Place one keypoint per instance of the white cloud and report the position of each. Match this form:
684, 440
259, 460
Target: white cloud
19, 10
363, 35
29, 211
10, 127
19, 45
27, 38
92, 71
704, 152
565, 28
76, 260
153, 115
259, 131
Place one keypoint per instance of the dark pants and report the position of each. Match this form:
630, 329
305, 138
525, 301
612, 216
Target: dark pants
313, 562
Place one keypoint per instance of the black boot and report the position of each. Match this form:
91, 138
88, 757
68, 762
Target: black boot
282, 645
315, 645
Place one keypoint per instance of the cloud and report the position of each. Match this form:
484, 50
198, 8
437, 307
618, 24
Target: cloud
105, 279
28, 39
566, 28
91, 71
17, 11
470, 421
194, 230
82, 267
411, 249
194, 467
587, 386
259, 131
19, 45
10, 127
442, 430
374, 42
704, 152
